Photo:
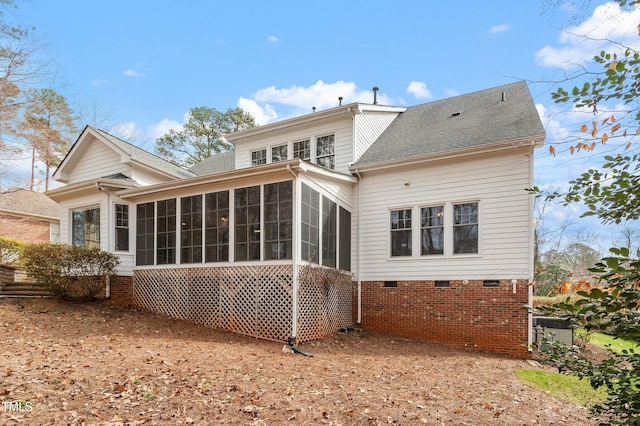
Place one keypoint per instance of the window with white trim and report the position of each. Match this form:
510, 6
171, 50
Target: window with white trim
247, 223
278, 225
191, 229
329, 232
166, 232
145, 233
259, 157
216, 226
401, 232
310, 224
325, 151
122, 227
432, 230
302, 149
85, 227
279, 153
465, 228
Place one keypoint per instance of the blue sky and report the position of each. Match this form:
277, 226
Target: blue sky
148, 62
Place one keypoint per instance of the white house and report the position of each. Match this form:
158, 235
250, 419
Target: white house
404, 220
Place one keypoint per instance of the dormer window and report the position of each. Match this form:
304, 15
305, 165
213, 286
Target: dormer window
325, 151
302, 149
259, 157
279, 153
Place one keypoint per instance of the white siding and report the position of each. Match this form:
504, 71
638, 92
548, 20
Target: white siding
370, 125
106, 203
96, 161
342, 128
497, 182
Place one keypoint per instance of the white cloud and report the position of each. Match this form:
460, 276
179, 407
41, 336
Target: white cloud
262, 114
320, 95
273, 39
451, 92
580, 43
419, 90
126, 131
159, 129
99, 81
499, 29
132, 73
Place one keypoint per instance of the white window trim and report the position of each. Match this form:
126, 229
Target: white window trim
112, 229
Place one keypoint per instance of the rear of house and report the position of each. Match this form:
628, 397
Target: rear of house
409, 221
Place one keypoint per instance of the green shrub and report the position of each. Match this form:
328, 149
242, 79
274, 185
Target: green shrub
71, 273
10, 251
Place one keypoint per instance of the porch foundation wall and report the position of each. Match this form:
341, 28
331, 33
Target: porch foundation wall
121, 290
467, 313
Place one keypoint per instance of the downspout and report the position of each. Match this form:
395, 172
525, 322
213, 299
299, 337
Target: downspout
358, 246
531, 245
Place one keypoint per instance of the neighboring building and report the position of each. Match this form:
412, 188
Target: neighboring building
29, 216
410, 221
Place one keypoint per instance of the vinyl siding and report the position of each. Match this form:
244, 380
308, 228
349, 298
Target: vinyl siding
505, 218
97, 161
369, 125
342, 128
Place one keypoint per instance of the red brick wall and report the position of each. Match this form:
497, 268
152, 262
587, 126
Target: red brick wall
122, 290
466, 315
24, 229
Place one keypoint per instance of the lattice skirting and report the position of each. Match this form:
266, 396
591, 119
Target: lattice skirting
252, 300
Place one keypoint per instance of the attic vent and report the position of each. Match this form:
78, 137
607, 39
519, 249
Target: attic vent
504, 97
455, 114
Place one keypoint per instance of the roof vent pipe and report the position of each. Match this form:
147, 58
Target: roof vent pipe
340, 101
313, 109
375, 95
504, 97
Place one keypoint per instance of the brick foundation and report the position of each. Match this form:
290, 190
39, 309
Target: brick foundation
465, 314
121, 288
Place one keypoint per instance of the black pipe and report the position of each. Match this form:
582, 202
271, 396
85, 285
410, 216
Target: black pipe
292, 344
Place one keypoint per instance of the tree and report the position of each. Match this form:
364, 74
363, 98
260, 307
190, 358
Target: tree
611, 193
49, 125
20, 66
202, 135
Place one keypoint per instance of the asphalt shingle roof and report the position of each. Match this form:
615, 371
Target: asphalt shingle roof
221, 162
458, 123
28, 202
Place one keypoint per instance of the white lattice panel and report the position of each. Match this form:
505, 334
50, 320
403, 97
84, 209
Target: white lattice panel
324, 302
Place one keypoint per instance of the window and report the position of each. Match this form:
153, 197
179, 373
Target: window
166, 232
259, 157
247, 223
217, 226
145, 232
191, 229
122, 227
325, 151
465, 228
401, 232
310, 224
432, 230
85, 228
302, 150
278, 220
344, 239
279, 153
329, 235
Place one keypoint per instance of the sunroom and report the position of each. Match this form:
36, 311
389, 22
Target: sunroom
263, 251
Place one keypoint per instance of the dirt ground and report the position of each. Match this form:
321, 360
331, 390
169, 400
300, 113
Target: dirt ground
107, 365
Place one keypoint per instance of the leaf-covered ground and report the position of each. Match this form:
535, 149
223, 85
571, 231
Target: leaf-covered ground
107, 365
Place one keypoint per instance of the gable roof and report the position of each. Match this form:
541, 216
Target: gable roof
122, 147
221, 162
488, 117
29, 203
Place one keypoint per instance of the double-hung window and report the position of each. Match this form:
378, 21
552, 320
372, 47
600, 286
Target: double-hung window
401, 232
325, 151
122, 227
279, 153
259, 157
465, 228
432, 230
302, 149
